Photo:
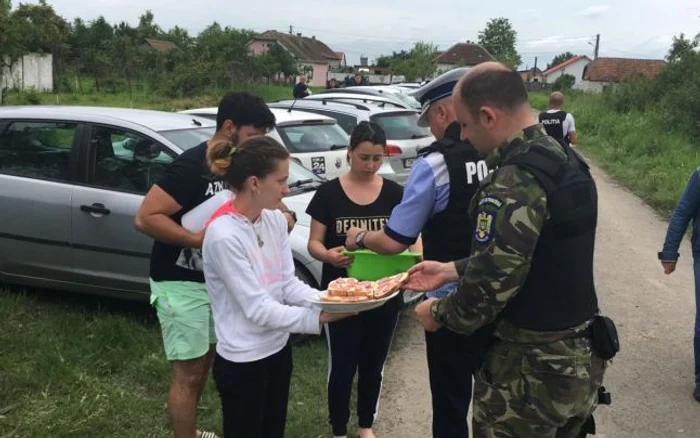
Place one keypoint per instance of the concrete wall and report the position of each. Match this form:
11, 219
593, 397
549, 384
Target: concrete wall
590, 86
575, 69
33, 70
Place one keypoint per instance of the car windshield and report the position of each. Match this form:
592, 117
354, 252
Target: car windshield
401, 126
312, 137
189, 138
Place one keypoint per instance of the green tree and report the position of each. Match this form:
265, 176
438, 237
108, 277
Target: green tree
564, 82
499, 38
283, 61
96, 57
559, 59
682, 47
419, 63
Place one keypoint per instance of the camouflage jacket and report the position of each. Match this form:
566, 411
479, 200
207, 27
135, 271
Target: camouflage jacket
510, 210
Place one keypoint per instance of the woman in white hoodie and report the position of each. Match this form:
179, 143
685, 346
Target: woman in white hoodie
255, 297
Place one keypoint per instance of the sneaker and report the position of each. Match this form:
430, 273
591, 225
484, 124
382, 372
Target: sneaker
696, 393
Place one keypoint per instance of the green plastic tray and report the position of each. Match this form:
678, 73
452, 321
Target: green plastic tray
370, 266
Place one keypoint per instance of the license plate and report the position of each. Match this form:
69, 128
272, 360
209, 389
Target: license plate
408, 162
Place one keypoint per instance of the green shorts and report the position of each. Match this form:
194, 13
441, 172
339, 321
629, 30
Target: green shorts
184, 312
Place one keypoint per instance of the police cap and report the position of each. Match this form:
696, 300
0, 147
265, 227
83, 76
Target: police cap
439, 88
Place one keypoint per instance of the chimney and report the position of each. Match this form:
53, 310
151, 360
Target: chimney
313, 37
299, 34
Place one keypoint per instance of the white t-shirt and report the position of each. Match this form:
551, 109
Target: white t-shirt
256, 299
568, 126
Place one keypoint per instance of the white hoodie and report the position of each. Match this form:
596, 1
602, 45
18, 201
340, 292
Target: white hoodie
256, 299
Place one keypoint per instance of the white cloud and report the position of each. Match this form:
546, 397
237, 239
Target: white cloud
594, 11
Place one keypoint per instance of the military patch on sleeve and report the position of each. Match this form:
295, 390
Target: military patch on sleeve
490, 200
485, 221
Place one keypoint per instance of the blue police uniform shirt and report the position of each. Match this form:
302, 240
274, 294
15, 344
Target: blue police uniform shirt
426, 193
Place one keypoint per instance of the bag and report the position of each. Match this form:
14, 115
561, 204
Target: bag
604, 338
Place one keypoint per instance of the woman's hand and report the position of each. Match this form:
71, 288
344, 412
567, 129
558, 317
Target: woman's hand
335, 257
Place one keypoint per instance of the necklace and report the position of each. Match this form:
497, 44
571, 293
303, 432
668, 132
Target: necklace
260, 241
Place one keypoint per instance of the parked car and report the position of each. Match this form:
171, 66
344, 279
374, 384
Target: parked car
316, 140
404, 136
398, 94
358, 97
71, 181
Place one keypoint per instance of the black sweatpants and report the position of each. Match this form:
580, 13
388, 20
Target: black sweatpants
452, 360
360, 343
254, 395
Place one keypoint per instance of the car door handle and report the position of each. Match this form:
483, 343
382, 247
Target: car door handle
95, 208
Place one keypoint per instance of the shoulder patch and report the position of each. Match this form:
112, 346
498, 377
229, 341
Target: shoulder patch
485, 221
490, 200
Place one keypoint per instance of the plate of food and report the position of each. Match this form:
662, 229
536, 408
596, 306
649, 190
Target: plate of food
351, 295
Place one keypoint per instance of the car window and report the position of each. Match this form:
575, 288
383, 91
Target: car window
346, 121
39, 150
190, 137
125, 161
401, 126
312, 137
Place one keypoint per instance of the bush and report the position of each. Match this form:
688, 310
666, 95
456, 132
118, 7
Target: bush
29, 97
564, 82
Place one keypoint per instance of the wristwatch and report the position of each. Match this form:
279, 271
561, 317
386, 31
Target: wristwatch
360, 239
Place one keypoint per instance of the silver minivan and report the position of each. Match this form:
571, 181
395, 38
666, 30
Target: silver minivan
71, 181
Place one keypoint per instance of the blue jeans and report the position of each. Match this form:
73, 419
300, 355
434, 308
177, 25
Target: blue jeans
696, 338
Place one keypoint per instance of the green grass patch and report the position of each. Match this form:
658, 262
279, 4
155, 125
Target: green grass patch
143, 100
74, 365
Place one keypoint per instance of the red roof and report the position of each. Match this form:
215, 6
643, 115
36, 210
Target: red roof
340, 55
464, 53
619, 69
564, 64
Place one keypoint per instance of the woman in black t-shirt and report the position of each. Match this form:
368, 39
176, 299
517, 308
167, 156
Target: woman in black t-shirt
362, 342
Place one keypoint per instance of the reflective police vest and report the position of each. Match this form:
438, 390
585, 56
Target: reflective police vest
447, 236
554, 125
559, 292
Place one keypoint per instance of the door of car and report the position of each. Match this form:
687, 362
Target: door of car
120, 166
38, 161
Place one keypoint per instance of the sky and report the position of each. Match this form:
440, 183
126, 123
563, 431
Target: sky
627, 28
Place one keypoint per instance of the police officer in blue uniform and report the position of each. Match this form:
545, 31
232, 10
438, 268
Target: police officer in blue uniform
435, 206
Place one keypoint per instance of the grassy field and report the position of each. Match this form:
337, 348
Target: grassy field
635, 148
74, 365
268, 92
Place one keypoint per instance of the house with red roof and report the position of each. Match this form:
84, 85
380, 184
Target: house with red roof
604, 72
572, 66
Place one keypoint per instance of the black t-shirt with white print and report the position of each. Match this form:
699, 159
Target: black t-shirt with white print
332, 207
189, 182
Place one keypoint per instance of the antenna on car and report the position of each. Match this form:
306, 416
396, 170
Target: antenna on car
292, 107
196, 122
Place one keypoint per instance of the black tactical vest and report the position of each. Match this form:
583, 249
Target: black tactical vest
559, 292
554, 125
447, 236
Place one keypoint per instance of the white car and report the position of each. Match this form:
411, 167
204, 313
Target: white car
317, 141
404, 136
345, 95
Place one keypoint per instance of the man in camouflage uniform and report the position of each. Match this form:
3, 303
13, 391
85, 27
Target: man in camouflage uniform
530, 270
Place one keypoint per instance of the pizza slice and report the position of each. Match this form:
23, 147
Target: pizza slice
388, 285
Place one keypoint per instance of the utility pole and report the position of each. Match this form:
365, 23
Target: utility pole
291, 32
597, 46
535, 68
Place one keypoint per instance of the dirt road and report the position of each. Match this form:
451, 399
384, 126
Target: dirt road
651, 379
